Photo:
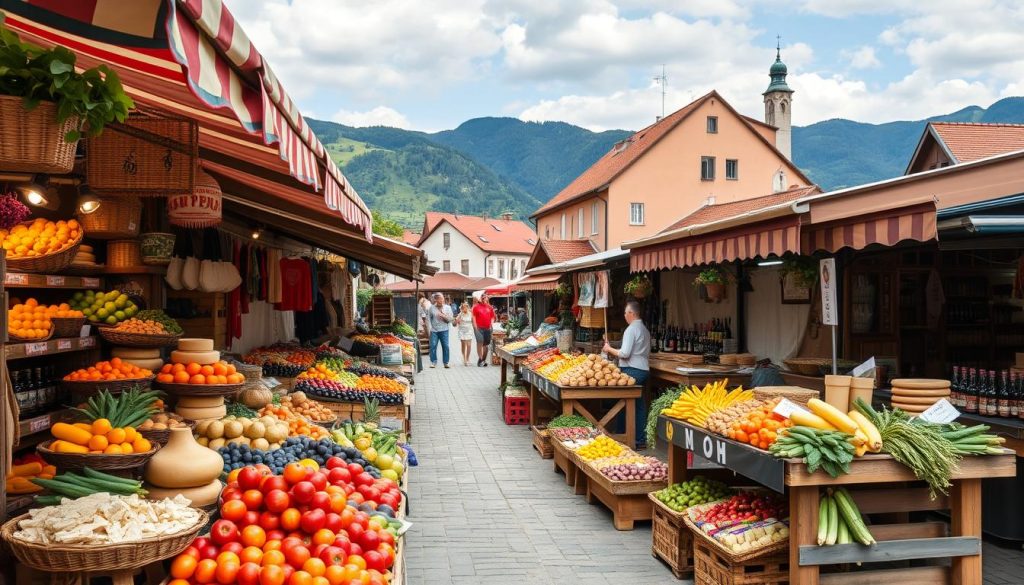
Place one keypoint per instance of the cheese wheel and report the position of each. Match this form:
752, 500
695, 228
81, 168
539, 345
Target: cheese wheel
203, 358
920, 383
200, 401
85, 248
195, 344
200, 497
153, 365
85, 257
127, 353
921, 393
202, 413
924, 401
912, 408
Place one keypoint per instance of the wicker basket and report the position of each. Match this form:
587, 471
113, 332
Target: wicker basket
592, 318
805, 366
116, 218
542, 442
80, 558
160, 436
19, 339
199, 389
252, 373
48, 264
146, 155
671, 540
67, 326
713, 565
793, 393
99, 461
89, 388
33, 141
123, 254
327, 424
700, 536
125, 338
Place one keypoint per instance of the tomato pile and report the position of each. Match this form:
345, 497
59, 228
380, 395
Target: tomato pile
744, 507
297, 528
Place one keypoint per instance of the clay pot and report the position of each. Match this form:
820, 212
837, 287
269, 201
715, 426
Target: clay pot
716, 291
183, 463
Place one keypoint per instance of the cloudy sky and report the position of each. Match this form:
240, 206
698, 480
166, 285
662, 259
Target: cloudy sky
432, 65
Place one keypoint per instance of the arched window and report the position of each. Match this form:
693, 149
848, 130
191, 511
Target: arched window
782, 108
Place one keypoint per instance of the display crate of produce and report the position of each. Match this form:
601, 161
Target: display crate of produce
542, 442
671, 540
563, 462
712, 566
627, 500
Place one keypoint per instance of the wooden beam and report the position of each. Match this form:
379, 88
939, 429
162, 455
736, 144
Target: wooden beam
911, 576
884, 469
897, 500
909, 530
965, 517
891, 550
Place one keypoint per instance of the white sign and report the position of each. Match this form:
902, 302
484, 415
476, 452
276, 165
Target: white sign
829, 311
864, 368
786, 408
54, 280
940, 413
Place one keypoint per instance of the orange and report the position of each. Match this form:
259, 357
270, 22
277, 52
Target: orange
251, 554
335, 575
205, 571
127, 448
206, 370
193, 369
101, 426
98, 443
315, 566
272, 557
322, 580
113, 450
141, 445
178, 368
130, 434
181, 377
116, 436
300, 578
219, 369
183, 567
197, 379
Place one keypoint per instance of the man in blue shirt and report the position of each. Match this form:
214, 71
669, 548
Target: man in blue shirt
633, 356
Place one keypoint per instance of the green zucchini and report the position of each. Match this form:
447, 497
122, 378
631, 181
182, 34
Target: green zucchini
851, 514
822, 519
833, 521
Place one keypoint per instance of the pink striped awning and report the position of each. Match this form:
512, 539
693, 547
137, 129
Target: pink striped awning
190, 57
917, 222
538, 282
740, 243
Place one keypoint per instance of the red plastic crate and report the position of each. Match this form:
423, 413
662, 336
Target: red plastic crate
517, 410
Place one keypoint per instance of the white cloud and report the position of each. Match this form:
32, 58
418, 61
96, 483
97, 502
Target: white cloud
862, 58
379, 116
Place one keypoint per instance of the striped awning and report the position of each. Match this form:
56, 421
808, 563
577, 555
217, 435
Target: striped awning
777, 237
190, 57
889, 227
538, 282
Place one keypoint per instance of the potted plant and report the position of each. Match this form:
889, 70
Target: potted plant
804, 270
46, 105
639, 286
563, 290
713, 280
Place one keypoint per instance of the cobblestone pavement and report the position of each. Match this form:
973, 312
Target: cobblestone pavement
487, 509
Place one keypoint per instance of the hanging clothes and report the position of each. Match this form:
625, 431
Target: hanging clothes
585, 282
233, 301
274, 276
602, 296
296, 285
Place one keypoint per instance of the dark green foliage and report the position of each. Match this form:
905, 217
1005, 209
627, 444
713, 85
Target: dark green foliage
382, 226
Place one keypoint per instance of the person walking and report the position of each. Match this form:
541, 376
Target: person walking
483, 319
464, 323
424, 306
633, 355
440, 318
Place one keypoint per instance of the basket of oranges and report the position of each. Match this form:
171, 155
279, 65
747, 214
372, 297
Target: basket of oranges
114, 375
41, 245
192, 379
139, 333
29, 321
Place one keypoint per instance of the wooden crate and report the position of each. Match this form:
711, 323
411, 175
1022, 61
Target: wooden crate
565, 463
671, 540
381, 311
712, 567
627, 500
354, 411
542, 442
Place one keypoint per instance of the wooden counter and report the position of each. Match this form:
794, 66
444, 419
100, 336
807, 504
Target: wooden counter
664, 372
572, 401
509, 360
869, 481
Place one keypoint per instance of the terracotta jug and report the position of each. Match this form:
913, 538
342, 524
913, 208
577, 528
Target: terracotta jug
183, 463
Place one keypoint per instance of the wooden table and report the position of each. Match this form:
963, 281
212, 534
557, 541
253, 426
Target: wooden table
896, 542
508, 359
663, 370
572, 401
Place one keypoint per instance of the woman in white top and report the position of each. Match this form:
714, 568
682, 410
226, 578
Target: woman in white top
464, 321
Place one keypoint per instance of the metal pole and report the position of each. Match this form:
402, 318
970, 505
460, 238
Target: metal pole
834, 367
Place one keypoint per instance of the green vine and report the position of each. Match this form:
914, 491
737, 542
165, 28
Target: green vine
711, 276
639, 285
803, 268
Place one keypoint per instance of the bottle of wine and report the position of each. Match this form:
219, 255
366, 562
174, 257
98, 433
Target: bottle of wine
983, 392
971, 402
992, 402
728, 328
654, 339
1012, 391
954, 387
1003, 407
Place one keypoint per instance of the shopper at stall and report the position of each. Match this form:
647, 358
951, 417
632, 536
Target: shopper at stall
483, 320
424, 306
440, 317
633, 354
464, 324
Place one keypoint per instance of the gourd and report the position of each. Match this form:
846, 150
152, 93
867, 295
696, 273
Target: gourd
183, 463
71, 433
255, 397
200, 497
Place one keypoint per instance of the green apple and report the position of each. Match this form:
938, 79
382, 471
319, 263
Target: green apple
103, 313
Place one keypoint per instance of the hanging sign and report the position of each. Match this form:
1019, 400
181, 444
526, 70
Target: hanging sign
202, 208
829, 311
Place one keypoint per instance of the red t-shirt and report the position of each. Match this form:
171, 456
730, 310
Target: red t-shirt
483, 315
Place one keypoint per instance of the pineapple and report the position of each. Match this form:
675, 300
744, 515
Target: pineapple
371, 412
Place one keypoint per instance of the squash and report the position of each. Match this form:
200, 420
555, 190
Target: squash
255, 396
21, 485
71, 433
27, 469
62, 446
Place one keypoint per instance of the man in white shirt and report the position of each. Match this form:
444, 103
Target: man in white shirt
439, 315
633, 355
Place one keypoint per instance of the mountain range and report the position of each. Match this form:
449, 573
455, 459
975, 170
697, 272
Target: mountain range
494, 165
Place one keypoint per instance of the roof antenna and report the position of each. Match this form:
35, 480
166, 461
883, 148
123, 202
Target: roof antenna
662, 80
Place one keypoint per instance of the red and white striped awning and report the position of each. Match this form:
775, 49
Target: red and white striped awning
889, 227
190, 57
538, 282
740, 243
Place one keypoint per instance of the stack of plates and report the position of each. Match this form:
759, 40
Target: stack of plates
915, 395
746, 359
85, 257
728, 359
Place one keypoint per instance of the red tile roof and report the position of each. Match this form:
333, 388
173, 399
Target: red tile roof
628, 151
410, 237
710, 213
565, 250
973, 141
444, 281
510, 236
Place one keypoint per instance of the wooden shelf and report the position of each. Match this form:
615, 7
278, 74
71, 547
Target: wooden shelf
18, 504
135, 270
13, 351
24, 280
43, 422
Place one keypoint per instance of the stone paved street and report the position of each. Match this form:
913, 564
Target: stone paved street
487, 510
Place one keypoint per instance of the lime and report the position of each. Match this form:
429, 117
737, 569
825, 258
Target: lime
120, 315
93, 318
110, 306
102, 313
112, 320
78, 296
87, 311
121, 302
130, 311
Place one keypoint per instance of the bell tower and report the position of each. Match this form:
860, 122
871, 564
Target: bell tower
778, 101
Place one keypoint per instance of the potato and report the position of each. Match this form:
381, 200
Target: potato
203, 441
233, 429
145, 426
261, 444
159, 426
215, 443
215, 430
602, 382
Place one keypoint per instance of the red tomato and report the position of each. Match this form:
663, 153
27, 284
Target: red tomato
339, 475
251, 517
271, 575
321, 500
303, 491
363, 478
248, 574
233, 510
374, 560
333, 522
232, 547
333, 555
249, 478
296, 555
253, 499
355, 531
277, 501
270, 521
362, 518
319, 481
355, 469
276, 534
206, 571
227, 573
288, 570
369, 540
334, 462
273, 482
209, 551
191, 551
224, 531
253, 535
230, 493
313, 520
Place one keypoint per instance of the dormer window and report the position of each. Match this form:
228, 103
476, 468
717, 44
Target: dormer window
483, 239
531, 242
496, 228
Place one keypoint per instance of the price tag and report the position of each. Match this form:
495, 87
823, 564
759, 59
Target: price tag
63, 344
35, 348
532, 341
864, 368
87, 342
131, 226
15, 278
39, 424
271, 382
52, 280
90, 282
940, 413
787, 407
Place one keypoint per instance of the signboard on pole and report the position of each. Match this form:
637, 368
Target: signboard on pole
829, 310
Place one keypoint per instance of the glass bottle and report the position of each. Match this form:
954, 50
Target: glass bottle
954, 387
1003, 407
971, 402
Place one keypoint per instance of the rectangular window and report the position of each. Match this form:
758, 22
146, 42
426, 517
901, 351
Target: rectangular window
579, 225
712, 124
636, 214
732, 169
593, 218
562, 237
522, 266
707, 168
490, 266
447, 240
501, 269
446, 266
547, 232
465, 267
513, 270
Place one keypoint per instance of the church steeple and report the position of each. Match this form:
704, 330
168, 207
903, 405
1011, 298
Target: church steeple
778, 72
777, 101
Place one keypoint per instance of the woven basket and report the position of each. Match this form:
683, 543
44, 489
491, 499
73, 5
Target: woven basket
125, 338
591, 317
160, 436
327, 424
67, 326
48, 264
80, 558
20, 339
251, 372
146, 155
89, 388
793, 393
805, 366
123, 254
699, 535
199, 389
671, 540
116, 217
99, 461
33, 141
713, 566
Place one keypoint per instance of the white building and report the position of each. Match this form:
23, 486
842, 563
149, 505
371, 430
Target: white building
477, 246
